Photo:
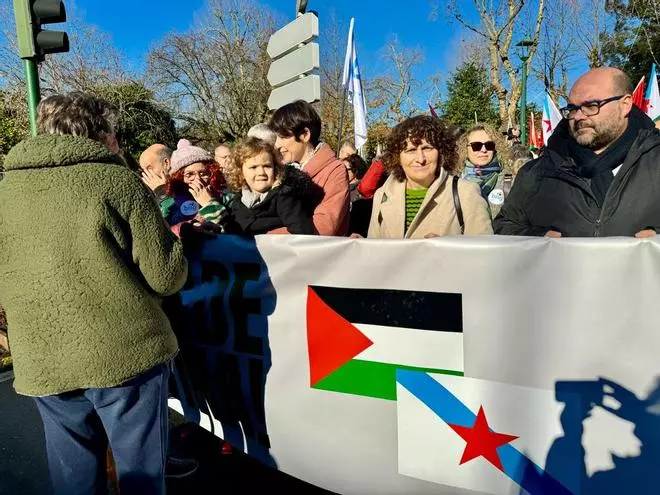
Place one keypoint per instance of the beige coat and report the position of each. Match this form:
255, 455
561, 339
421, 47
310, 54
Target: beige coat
437, 214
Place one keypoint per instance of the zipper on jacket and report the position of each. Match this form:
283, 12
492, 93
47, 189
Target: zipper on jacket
598, 224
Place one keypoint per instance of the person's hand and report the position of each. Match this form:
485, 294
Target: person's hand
629, 405
645, 234
153, 180
200, 192
355, 236
431, 235
207, 228
553, 234
4, 344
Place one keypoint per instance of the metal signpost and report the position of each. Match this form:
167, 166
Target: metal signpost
294, 60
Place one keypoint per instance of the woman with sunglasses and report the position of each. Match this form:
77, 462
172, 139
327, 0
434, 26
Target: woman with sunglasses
482, 156
421, 198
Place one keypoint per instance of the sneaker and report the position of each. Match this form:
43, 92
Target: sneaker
180, 468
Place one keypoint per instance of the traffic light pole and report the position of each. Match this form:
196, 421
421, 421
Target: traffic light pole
33, 91
523, 106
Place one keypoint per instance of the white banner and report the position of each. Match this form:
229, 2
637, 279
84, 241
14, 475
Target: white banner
446, 366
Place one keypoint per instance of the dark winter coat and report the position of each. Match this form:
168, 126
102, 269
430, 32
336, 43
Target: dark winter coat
289, 204
550, 194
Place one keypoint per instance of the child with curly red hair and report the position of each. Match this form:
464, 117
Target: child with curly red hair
194, 188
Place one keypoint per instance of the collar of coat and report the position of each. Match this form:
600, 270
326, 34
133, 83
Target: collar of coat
393, 202
57, 151
322, 158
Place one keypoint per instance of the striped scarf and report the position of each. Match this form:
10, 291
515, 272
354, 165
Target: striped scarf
485, 177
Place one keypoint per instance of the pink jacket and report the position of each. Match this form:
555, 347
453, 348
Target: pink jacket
331, 215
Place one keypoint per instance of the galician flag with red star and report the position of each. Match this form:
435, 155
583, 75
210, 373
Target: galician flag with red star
484, 436
551, 118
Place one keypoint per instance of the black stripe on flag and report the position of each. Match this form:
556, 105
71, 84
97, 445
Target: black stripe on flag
421, 310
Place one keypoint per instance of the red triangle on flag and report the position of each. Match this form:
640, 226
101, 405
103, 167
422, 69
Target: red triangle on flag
331, 340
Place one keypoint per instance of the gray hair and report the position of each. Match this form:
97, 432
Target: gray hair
164, 153
76, 114
263, 132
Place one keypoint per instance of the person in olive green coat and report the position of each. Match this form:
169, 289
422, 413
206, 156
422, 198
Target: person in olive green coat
85, 258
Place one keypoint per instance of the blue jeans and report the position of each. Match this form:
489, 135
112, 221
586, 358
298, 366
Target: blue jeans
131, 417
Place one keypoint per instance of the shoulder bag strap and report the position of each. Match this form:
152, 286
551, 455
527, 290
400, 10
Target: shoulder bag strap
457, 204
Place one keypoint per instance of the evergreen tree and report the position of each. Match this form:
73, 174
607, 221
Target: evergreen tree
469, 91
635, 42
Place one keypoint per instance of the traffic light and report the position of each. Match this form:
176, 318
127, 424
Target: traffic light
33, 41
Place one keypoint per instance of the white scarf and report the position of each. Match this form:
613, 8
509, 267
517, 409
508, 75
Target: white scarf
250, 198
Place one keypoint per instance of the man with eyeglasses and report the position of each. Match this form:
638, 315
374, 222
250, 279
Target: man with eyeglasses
599, 174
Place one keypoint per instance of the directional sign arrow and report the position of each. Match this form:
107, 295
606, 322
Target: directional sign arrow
307, 88
305, 28
295, 64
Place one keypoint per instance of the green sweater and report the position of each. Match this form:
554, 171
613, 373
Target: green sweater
414, 200
85, 257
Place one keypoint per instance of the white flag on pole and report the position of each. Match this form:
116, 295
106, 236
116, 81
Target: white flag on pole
653, 96
353, 85
551, 118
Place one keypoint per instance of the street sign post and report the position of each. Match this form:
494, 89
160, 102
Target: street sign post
294, 60
307, 88
294, 65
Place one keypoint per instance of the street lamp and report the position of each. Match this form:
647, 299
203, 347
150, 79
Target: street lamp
523, 49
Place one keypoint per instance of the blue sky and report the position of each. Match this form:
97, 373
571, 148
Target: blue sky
135, 25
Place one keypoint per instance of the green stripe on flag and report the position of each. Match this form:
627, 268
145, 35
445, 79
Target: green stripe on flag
370, 379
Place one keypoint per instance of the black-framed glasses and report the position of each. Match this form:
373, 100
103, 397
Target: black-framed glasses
588, 108
478, 146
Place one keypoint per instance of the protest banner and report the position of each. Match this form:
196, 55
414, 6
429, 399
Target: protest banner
452, 365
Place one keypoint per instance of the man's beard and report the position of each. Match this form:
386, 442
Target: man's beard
602, 134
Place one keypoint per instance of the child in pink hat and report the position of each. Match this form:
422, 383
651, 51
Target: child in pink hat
194, 188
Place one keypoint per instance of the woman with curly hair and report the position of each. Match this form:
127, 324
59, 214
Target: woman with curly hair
483, 159
421, 198
270, 197
194, 188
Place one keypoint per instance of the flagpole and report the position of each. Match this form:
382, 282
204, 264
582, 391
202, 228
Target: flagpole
345, 83
340, 131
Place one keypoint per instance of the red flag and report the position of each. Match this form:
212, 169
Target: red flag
638, 94
433, 111
533, 137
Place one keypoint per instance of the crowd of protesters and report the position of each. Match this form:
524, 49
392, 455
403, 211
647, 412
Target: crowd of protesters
89, 339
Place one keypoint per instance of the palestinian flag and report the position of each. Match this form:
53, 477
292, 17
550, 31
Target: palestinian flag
358, 338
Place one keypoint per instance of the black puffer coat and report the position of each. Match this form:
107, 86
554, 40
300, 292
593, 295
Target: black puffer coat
290, 204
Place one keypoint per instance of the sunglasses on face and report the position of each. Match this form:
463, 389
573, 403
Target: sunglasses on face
478, 146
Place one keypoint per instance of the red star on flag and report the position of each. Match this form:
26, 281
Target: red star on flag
481, 441
549, 124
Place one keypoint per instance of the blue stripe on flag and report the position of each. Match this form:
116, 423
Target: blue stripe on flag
522, 470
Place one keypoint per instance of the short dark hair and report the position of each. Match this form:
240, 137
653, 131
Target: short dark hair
294, 118
76, 114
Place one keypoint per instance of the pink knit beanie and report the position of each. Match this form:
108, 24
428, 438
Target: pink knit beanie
187, 154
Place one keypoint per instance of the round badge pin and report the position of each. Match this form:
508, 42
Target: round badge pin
189, 208
496, 197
